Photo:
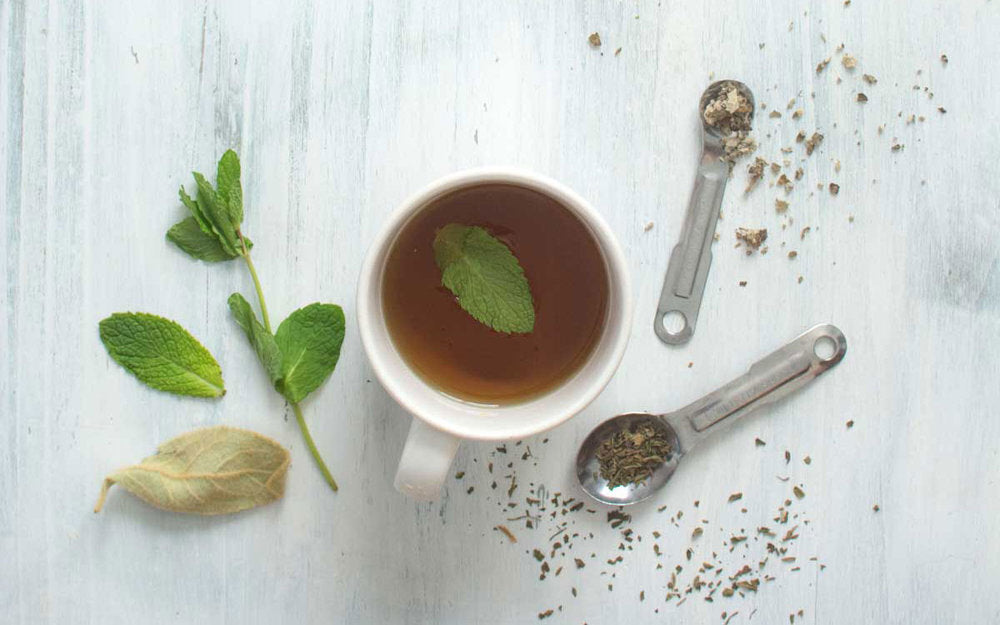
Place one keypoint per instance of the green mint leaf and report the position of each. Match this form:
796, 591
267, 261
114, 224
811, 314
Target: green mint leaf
228, 187
261, 340
162, 354
216, 470
218, 215
188, 236
486, 278
196, 212
309, 340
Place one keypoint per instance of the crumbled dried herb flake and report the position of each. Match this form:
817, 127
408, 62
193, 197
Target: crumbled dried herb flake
752, 237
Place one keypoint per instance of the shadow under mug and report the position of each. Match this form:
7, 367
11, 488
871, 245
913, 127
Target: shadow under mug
441, 421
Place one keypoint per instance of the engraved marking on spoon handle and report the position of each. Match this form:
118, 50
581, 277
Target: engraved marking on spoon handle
768, 380
691, 258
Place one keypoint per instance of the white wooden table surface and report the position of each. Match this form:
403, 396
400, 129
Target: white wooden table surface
340, 110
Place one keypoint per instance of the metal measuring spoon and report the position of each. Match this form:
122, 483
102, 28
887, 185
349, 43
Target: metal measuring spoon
691, 258
769, 379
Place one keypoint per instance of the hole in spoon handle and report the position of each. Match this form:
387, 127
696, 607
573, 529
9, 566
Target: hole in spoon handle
771, 378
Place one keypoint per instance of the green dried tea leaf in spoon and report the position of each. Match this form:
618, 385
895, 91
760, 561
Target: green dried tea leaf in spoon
486, 277
162, 354
216, 470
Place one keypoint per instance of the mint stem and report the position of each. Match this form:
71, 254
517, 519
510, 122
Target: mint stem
295, 406
256, 285
312, 447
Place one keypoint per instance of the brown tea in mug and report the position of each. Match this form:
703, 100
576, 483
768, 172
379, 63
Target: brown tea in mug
456, 353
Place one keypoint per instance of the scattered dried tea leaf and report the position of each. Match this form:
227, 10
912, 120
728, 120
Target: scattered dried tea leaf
868, 78
834, 188
755, 172
780, 206
799, 493
849, 61
506, 532
753, 237
735, 497
822, 65
862, 97
595, 40
738, 145
813, 142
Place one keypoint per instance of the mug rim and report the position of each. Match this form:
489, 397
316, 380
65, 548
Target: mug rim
379, 354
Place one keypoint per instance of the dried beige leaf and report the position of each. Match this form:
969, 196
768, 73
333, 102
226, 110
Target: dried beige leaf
216, 470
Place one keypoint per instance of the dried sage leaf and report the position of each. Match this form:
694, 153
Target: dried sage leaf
216, 470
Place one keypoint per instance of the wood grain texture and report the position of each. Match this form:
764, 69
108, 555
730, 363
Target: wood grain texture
339, 111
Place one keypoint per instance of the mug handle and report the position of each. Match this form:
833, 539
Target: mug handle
427, 456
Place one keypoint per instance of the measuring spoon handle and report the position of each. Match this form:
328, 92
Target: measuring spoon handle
769, 379
691, 258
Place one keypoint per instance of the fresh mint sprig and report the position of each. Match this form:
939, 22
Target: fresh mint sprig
304, 351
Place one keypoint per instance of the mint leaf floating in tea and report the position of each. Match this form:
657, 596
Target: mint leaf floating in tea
215, 470
304, 353
162, 354
629, 457
486, 278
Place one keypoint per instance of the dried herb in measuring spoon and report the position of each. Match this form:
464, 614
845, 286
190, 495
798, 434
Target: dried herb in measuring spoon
630, 456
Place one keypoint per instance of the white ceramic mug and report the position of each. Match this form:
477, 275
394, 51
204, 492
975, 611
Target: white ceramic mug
441, 420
